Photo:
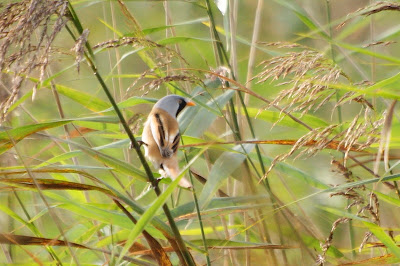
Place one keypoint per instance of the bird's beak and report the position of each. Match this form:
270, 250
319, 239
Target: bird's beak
190, 104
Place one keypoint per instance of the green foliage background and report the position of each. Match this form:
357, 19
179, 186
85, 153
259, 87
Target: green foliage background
66, 163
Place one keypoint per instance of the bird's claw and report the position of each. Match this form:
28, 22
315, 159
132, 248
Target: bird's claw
131, 146
156, 182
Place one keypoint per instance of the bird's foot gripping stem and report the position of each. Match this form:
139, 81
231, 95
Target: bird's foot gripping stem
131, 146
156, 181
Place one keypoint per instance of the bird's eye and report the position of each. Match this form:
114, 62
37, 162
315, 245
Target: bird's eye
180, 101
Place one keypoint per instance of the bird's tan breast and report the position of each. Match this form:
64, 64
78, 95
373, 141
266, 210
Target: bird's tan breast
170, 125
170, 122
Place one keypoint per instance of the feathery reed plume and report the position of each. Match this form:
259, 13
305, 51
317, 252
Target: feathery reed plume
311, 73
310, 76
27, 30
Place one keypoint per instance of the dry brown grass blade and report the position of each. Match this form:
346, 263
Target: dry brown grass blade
332, 145
40, 241
49, 184
381, 260
30, 240
8, 239
79, 132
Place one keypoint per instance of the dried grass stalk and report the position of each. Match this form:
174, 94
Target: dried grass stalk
374, 8
124, 41
155, 84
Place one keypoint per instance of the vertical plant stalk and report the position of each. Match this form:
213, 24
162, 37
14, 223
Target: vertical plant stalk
340, 118
232, 18
253, 50
169, 22
223, 57
183, 253
196, 204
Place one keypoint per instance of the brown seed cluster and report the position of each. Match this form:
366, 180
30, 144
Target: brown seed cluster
79, 47
367, 204
155, 84
27, 30
124, 41
374, 8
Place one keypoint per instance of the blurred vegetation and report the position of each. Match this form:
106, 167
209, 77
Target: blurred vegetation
292, 148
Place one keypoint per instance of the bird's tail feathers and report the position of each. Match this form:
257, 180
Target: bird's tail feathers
174, 172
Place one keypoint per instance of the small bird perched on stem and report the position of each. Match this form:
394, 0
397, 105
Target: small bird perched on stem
161, 136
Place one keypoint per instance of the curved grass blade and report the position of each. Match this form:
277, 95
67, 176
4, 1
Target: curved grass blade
383, 237
151, 211
85, 99
290, 170
181, 39
221, 170
19, 133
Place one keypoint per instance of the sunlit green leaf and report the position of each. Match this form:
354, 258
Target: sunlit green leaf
220, 171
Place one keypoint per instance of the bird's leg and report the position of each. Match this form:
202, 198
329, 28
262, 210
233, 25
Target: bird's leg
162, 173
139, 142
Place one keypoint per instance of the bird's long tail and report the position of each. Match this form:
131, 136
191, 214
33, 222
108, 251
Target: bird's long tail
174, 173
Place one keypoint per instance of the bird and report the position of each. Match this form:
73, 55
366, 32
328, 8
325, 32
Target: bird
161, 136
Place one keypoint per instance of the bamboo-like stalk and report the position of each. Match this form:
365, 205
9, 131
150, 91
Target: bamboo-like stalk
185, 254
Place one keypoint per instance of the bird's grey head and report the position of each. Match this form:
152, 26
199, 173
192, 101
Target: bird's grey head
173, 104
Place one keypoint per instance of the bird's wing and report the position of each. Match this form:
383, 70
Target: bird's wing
165, 133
